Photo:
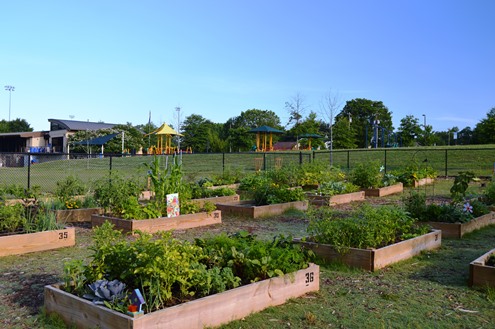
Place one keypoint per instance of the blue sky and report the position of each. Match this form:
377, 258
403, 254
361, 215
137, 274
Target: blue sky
115, 61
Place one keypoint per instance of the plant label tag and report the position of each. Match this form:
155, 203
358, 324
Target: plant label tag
137, 299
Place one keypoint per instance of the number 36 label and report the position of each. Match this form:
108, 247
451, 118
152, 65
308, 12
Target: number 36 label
310, 277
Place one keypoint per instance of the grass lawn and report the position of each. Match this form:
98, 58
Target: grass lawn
428, 291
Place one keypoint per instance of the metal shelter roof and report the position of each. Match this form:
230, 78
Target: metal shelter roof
98, 140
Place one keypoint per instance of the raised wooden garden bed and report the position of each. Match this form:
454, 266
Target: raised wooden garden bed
216, 199
211, 311
76, 215
480, 274
423, 181
18, 244
181, 222
248, 209
335, 199
383, 191
375, 259
457, 230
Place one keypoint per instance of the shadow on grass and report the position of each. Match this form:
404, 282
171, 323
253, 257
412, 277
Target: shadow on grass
449, 265
29, 291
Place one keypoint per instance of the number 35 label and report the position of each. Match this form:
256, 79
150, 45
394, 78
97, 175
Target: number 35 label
63, 235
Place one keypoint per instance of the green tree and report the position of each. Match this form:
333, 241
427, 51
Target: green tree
363, 113
409, 130
237, 129
133, 140
310, 125
197, 133
484, 131
464, 137
148, 138
14, 126
344, 134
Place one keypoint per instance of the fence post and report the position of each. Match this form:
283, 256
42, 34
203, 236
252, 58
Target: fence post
385, 160
300, 158
348, 160
446, 167
314, 154
264, 161
223, 162
110, 164
29, 172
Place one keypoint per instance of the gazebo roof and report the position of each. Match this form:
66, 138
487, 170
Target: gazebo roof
266, 129
310, 135
165, 129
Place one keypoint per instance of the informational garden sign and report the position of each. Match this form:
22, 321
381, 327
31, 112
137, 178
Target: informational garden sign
173, 207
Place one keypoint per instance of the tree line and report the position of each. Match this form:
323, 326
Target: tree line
361, 123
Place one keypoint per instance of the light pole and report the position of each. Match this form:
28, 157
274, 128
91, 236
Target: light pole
424, 126
178, 128
10, 89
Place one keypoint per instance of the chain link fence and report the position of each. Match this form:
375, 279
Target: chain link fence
46, 169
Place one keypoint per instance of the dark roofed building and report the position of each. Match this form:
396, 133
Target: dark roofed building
60, 130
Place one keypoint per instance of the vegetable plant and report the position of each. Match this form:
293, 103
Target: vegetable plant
169, 271
454, 212
371, 175
367, 227
414, 172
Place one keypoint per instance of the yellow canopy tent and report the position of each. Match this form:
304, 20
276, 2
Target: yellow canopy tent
163, 131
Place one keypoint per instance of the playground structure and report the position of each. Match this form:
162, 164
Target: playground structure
264, 138
310, 137
164, 134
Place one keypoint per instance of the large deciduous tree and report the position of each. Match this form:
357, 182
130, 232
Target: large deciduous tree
363, 113
201, 135
236, 130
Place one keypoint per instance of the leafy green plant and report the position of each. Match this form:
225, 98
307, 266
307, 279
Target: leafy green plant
169, 271
12, 218
102, 291
69, 188
367, 175
461, 184
367, 227
114, 193
455, 212
414, 172
489, 193
336, 187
